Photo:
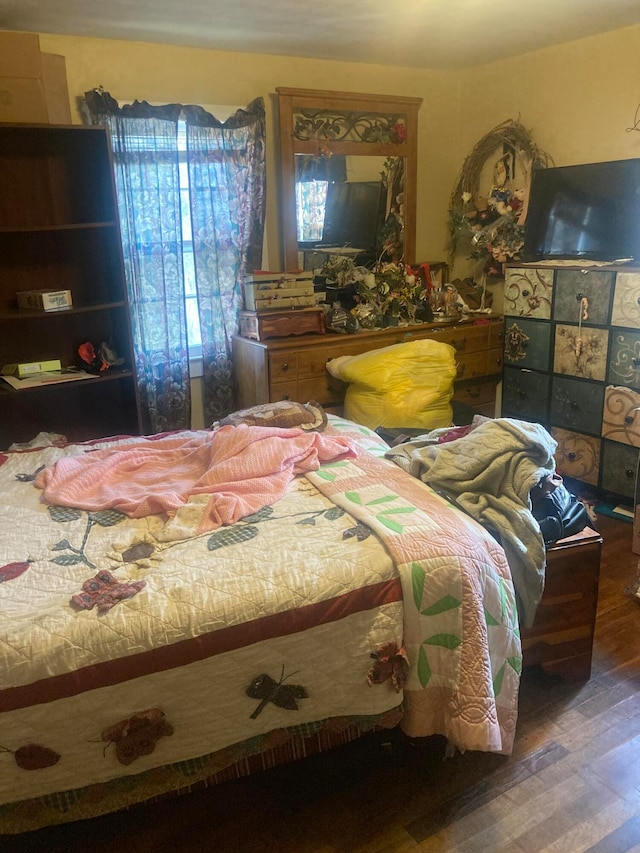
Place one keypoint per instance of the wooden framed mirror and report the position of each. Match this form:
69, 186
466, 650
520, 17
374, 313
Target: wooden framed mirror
361, 150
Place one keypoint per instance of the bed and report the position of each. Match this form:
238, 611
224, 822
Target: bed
144, 650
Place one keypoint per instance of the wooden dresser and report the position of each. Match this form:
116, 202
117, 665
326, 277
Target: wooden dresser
294, 368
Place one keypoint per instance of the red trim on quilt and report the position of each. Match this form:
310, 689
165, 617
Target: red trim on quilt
205, 646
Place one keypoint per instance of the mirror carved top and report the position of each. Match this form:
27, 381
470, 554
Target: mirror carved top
326, 125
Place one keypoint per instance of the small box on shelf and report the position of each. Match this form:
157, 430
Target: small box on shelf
44, 300
30, 368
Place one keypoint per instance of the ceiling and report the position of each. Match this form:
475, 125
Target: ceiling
437, 34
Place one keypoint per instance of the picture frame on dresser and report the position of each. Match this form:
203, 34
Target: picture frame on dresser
572, 363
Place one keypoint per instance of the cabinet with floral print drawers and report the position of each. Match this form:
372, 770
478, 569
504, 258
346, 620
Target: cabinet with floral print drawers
572, 363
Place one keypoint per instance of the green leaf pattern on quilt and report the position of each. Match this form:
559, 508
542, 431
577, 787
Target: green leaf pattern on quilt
452, 641
424, 670
447, 641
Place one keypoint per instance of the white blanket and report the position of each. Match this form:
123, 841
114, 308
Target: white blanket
490, 472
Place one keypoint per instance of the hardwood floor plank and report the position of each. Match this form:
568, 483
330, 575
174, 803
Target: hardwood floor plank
624, 839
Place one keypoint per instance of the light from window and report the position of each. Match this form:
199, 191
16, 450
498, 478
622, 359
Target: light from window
194, 335
311, 198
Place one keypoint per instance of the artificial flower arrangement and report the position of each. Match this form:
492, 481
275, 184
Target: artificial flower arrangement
390, 294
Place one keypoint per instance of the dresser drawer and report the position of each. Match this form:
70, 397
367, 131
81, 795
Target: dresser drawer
496, 334
619, 466
477, 364
476, 392
624, 358
283, 366
285, 391
626, 300
464, 339
528, 292
527, 343
572, 286
326, 390
577, 455
581, 352
313, 362
525, 394
576, 405
621, 416
480, 394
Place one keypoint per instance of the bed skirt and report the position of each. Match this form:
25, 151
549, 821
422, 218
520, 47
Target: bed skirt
263, 752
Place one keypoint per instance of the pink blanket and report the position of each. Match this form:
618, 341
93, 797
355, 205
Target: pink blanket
243, 468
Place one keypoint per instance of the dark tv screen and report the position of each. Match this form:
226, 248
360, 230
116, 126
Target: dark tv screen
590, 212
353, 214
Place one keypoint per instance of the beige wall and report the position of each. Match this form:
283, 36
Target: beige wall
168, 74
577, 99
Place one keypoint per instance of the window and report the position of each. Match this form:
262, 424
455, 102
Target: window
221, 112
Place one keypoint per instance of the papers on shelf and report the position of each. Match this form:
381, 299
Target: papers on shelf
47, 378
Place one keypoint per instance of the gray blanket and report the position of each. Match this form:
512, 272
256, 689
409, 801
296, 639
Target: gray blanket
489, 472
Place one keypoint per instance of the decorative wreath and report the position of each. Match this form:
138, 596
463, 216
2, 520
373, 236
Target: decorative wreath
497, 230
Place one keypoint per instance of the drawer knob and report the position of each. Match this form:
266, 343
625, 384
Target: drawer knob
285, 396
525, 293
285, 367
635, 362
629, 419
459, 345
461, 370
573, 405
498, 361
629, 473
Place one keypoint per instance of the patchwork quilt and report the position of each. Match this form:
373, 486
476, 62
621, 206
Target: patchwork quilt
127, 651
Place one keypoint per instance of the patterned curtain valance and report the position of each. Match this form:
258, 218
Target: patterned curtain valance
101, 106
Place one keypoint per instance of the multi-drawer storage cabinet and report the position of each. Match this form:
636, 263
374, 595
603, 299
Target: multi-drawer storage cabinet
294, 368
59, 230
572, 363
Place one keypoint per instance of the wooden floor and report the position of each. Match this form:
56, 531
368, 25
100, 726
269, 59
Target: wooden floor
572, 784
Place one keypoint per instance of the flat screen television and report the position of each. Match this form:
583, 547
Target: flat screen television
353, 215
585, 212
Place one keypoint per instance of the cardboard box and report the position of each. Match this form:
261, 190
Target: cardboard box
23, 100
33, 85
44, 300
20, 55
56, 90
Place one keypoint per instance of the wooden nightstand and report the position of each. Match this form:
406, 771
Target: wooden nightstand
561, 639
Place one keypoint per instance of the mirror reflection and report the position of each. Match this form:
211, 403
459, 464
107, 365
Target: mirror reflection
352, 203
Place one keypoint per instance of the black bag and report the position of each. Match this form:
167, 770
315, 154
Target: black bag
557, 511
